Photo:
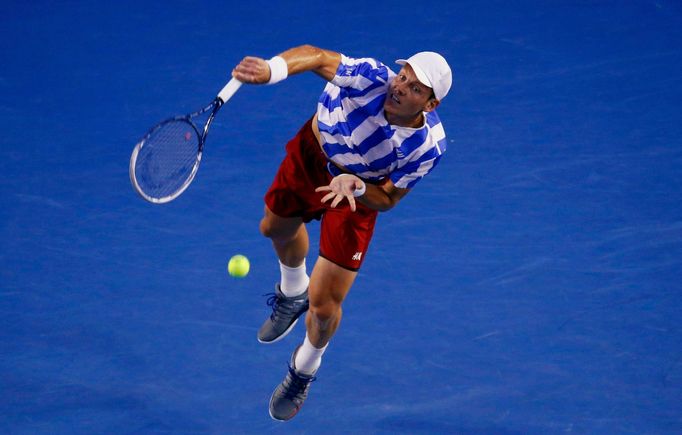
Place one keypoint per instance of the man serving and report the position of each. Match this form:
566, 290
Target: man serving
374, 135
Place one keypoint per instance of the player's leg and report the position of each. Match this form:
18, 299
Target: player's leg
290, 300
344, 239
329, 285
286, 211
288, 235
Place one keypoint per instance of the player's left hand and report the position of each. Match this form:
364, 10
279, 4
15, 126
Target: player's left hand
342, 186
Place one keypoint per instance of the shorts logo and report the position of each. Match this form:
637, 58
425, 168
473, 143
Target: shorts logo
357, 256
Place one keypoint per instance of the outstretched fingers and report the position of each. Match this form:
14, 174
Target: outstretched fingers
327, 197
336, 197
340, 197
340, 187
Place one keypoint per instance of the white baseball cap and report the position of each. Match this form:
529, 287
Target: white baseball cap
432, 70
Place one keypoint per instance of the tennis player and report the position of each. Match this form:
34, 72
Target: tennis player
374, 135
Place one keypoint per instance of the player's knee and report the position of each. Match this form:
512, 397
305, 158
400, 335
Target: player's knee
269, 229
266, 227
323, 314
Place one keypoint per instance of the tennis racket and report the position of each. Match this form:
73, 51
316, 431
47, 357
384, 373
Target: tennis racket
166, 160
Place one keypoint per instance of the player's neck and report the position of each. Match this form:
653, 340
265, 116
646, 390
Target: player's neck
415, 121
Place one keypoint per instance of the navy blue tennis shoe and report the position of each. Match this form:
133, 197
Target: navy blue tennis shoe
285, 314
289, 396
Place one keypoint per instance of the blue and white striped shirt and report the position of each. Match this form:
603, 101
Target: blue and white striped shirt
356, 135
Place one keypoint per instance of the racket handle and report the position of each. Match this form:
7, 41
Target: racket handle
228, 91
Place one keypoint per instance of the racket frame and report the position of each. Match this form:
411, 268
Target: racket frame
214, 106
225, 94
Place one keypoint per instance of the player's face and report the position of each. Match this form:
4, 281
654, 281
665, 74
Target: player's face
407, 98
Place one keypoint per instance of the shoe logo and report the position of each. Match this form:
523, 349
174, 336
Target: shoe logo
357, 256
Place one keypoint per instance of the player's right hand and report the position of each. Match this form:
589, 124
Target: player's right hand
252, 70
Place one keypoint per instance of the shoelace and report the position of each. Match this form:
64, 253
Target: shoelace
279, 308
295, 386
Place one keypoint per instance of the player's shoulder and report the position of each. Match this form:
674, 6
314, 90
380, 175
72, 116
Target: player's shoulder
362, 65
436, 130
433, 120
351, 60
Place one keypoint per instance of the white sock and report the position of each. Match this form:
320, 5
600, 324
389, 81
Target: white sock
294, 279
308, 358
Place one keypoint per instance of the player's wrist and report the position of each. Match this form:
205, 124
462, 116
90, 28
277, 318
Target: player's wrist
361, 190
278, 69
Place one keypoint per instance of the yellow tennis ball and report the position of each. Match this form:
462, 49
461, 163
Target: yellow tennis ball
238, 266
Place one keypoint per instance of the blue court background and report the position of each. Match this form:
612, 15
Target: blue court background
531, 284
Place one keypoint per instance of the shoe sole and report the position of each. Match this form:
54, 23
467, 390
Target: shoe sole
275, 418
270, 410
284, 334
281, 419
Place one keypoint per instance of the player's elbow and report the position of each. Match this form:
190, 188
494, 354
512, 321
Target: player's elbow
385, 204
391, 197
320, 61
309, 48
312, 52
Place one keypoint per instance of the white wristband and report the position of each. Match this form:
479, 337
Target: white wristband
278, 69
360, 191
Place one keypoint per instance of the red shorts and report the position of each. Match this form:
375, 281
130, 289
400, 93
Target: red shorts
344, 234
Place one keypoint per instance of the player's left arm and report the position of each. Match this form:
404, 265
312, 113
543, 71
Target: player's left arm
378, 197
383, 197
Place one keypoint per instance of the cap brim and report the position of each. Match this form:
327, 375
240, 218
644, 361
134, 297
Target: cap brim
417, 71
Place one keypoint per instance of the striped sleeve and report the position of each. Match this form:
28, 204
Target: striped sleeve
407, 176
422, 157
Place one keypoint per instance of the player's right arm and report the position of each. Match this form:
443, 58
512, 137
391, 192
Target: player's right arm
298, 59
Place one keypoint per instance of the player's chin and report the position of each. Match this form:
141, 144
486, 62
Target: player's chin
390, 106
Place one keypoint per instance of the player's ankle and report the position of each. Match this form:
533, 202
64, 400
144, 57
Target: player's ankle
308, 357
294, 280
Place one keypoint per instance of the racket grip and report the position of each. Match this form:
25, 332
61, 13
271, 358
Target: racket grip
228, 91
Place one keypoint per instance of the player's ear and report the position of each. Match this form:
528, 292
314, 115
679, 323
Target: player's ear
431, 104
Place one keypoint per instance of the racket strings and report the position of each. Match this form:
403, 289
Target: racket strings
167, 159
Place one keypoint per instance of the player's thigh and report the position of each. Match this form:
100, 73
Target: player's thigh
329, 283
274, 226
